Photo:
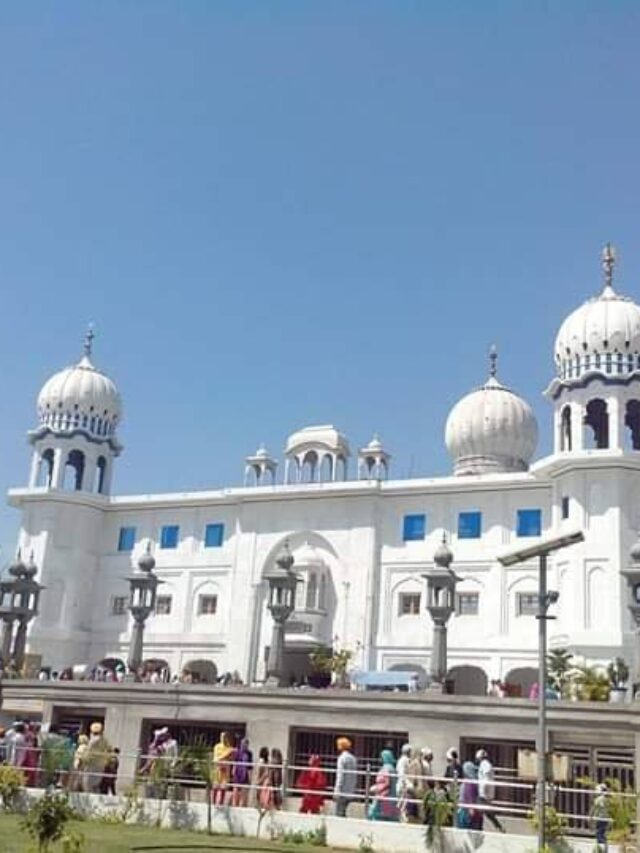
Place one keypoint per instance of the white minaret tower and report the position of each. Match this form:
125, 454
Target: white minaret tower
75, 442
66, 503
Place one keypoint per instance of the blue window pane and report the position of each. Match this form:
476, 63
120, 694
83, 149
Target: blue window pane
529, 522
126, 538
469, 525
169, 536
213, 535
414, 527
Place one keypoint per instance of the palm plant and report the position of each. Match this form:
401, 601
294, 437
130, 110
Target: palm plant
559, 666
591, 682
196, 762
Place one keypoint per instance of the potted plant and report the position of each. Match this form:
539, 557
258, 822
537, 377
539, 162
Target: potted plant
321, 663
559, 665
327, 663
618, 673
591, 683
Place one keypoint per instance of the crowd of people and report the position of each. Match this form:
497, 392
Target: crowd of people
404, 789
47, 757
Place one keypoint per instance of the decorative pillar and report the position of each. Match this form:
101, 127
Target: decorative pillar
441, 586
143, 586
282, 582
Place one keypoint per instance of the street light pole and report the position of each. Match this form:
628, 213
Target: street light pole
542, 550
541, 745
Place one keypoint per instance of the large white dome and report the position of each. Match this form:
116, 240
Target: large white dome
491, 430
80, 398
603, 335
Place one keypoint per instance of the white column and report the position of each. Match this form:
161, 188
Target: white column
615, 411
577, 427
35, 468
59, 459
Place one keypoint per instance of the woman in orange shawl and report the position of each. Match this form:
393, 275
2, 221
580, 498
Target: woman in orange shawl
313, 783
223, 754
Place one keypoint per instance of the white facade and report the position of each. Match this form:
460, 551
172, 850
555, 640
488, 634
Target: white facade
360, 558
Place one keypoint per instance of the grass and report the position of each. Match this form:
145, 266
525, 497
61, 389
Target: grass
120, 838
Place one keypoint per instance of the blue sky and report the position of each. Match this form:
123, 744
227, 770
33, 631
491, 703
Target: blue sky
283, 213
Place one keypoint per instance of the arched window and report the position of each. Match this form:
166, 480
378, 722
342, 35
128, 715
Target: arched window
101, 470
45, 469
597, 420
312, 592
565, 428
74, 470
632, 422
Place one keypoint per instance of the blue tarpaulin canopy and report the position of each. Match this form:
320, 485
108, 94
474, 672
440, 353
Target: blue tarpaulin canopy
390, 679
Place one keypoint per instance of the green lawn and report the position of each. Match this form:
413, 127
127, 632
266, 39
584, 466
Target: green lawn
107, 838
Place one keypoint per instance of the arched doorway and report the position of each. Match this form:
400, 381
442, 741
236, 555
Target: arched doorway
468, 680
200, 671
520, 680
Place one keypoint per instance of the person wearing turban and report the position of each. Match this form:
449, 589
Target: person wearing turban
346, 776
96, 757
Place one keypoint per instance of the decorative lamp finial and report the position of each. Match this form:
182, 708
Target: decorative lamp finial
443, 556
493, 360
285, 559
147, 562
608, 263
88, 340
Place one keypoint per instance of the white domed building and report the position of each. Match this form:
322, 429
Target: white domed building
361, 545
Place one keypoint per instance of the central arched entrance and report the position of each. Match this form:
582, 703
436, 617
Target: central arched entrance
468, 681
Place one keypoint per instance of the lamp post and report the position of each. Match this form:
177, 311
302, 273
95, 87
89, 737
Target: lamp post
19, 599
632, 577
441, 603
143, 585
282, 582
545, 598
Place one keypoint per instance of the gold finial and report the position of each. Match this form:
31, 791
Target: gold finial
493, 361
608, 263
88, 340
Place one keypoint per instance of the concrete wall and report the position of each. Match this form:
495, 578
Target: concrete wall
346, 833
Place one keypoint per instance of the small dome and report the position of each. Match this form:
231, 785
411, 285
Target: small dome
307, 555
491, 430
603, 335
375, 445
80, 398
324, 437
634, 551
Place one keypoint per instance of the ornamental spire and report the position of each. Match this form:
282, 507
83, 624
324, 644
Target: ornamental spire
608, 263
88, 340
493, 361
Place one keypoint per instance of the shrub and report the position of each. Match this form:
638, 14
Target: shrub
46, 820
12, 783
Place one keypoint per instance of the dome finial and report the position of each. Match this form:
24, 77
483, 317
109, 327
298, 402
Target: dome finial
493, 361
88, 340
608, 263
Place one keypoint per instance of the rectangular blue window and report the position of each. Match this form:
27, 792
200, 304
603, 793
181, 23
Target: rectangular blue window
469, 525
213, 535
169, 536
414, 527
529, 522
126, 538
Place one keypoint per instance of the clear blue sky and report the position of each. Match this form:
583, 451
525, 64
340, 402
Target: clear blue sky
283, 213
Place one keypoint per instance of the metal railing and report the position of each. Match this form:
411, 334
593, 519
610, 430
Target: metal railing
274, 785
